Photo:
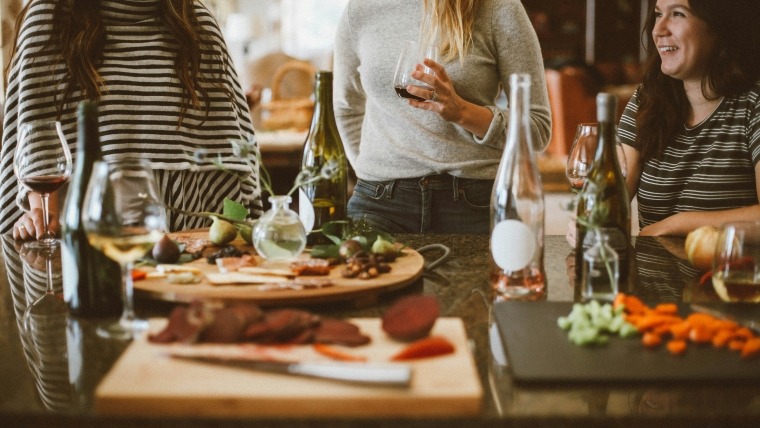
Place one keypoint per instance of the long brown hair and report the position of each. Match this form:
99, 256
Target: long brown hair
81, 38
733, 68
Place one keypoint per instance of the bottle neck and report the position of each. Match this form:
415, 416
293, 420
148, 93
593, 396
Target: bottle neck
606, 151
518, 132
323, 97
280, 201
88, 137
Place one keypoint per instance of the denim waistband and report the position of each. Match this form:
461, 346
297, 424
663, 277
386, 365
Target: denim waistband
430, 182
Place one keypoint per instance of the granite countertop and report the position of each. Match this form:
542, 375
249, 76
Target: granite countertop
36, 395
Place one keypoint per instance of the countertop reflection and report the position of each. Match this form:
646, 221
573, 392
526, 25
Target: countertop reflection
52, 363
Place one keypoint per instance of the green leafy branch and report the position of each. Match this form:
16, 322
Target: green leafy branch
595, 217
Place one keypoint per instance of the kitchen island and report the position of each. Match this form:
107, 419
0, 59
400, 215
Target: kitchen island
50, 372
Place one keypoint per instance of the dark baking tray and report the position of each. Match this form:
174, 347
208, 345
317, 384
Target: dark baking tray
539, 351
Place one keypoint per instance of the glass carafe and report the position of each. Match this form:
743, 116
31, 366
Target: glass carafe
279, 233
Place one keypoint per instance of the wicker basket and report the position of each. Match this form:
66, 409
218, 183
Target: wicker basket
288, 113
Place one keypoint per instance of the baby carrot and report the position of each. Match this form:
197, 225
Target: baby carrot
651, 340
676, 346
751, 348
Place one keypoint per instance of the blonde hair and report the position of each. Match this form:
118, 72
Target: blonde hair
450, 22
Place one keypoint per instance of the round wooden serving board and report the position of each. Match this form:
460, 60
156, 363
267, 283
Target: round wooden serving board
405, 270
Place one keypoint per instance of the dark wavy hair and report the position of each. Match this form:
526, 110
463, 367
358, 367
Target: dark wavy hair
81, 38
732, 70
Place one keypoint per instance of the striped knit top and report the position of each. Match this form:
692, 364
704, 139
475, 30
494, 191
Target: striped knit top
706, 168
139, 108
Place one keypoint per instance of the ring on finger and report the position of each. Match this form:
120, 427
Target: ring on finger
434, 97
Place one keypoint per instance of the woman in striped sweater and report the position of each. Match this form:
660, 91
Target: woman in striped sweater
166, 89
692, 130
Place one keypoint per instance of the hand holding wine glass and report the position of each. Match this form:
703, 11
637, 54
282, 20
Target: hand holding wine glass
123, 218
42, 163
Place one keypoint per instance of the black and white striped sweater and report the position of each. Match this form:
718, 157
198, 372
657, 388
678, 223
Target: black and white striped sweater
139, 108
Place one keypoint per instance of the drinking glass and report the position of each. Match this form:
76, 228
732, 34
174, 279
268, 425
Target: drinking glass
50, 301
736, 265
43, 335
42, 163
123, 218
413, 54
582, 154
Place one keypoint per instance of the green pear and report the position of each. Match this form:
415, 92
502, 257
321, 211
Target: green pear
221, 232
246, 231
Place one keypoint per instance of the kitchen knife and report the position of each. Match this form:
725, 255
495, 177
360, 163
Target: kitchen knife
397, 375
719, 313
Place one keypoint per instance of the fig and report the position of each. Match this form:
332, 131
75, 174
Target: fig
221, 232
349, 248
384, 248
166, 251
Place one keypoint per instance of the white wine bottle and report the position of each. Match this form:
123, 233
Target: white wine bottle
517, 208
603, 203
324, 200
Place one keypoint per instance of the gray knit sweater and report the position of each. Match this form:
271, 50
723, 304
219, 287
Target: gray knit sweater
384, 137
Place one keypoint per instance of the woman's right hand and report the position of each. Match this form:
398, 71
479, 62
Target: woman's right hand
30, 225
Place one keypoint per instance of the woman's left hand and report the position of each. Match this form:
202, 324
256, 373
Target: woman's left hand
443, 99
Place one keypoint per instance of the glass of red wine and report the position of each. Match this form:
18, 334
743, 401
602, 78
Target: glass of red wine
413, 55
42, 163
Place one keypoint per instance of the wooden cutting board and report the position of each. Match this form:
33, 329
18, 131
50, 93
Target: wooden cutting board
145, 381
405, 270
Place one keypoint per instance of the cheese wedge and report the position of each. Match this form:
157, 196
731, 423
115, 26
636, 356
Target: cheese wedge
243, 278
258, 270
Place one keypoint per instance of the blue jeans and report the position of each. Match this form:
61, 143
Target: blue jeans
432, 204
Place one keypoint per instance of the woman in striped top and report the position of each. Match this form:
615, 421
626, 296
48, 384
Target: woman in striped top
692, 130
166, 89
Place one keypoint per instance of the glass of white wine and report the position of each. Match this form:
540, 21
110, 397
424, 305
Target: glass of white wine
736, 265
123, 218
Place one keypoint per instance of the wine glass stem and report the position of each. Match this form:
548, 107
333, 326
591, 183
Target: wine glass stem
49, 272
46, 235
128, 315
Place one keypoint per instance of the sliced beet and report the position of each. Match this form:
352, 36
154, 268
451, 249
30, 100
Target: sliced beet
411, 317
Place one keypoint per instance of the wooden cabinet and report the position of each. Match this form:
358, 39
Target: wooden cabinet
593, 31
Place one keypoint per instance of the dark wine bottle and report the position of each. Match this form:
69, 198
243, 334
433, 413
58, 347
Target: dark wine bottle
91, 281
324, 200
517, 208
603, 203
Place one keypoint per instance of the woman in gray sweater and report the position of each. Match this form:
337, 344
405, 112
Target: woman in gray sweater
428, 166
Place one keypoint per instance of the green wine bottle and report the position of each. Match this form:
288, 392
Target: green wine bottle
603, 203
91, 281
324, 200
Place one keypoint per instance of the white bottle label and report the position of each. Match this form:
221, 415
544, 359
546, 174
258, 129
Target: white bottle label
305, 211
513, 245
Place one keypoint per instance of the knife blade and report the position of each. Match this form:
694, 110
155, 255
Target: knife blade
720, 314
396, 375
